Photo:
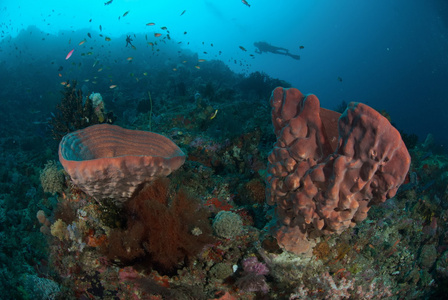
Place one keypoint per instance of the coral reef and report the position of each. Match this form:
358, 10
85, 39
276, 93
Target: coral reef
68, 245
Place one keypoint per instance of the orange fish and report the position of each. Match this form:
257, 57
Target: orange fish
81, 42
60, 75
150, 24
69, 54
113, 86
63, 83
157, 34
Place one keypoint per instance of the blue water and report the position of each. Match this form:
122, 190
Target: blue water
391, 55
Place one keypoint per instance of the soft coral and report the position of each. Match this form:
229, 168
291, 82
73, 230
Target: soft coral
169, 233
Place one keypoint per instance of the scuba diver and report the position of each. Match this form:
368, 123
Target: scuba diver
266, 47
128, 41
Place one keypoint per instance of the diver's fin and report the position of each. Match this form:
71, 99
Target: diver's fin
294, 56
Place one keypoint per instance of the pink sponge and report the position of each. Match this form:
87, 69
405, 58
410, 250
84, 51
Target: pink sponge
322, 184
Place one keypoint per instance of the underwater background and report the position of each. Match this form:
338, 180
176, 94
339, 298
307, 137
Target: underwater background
202, 73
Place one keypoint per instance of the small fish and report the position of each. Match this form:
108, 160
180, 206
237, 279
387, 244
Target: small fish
197, 67
201, 60
63, 83
163, 28
86, 80
151, 44
60, 75
150, 24
126, 13
69, 54
214, 115
145, 73
101, 28
129, 58
183, 12
242, 48
88, 34
94, 64
90, 21
113, 86
174, 69
108, 2
107, 39
301, 47
245, 3
89, 53
185, 32
81, 42
157, 34
100, 69
340, 79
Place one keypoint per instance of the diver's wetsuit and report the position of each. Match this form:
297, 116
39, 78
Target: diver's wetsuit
265, 47
128, 40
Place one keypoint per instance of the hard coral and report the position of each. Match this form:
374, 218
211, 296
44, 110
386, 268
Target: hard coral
227, 224
52, 178
323, 184
160, 229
